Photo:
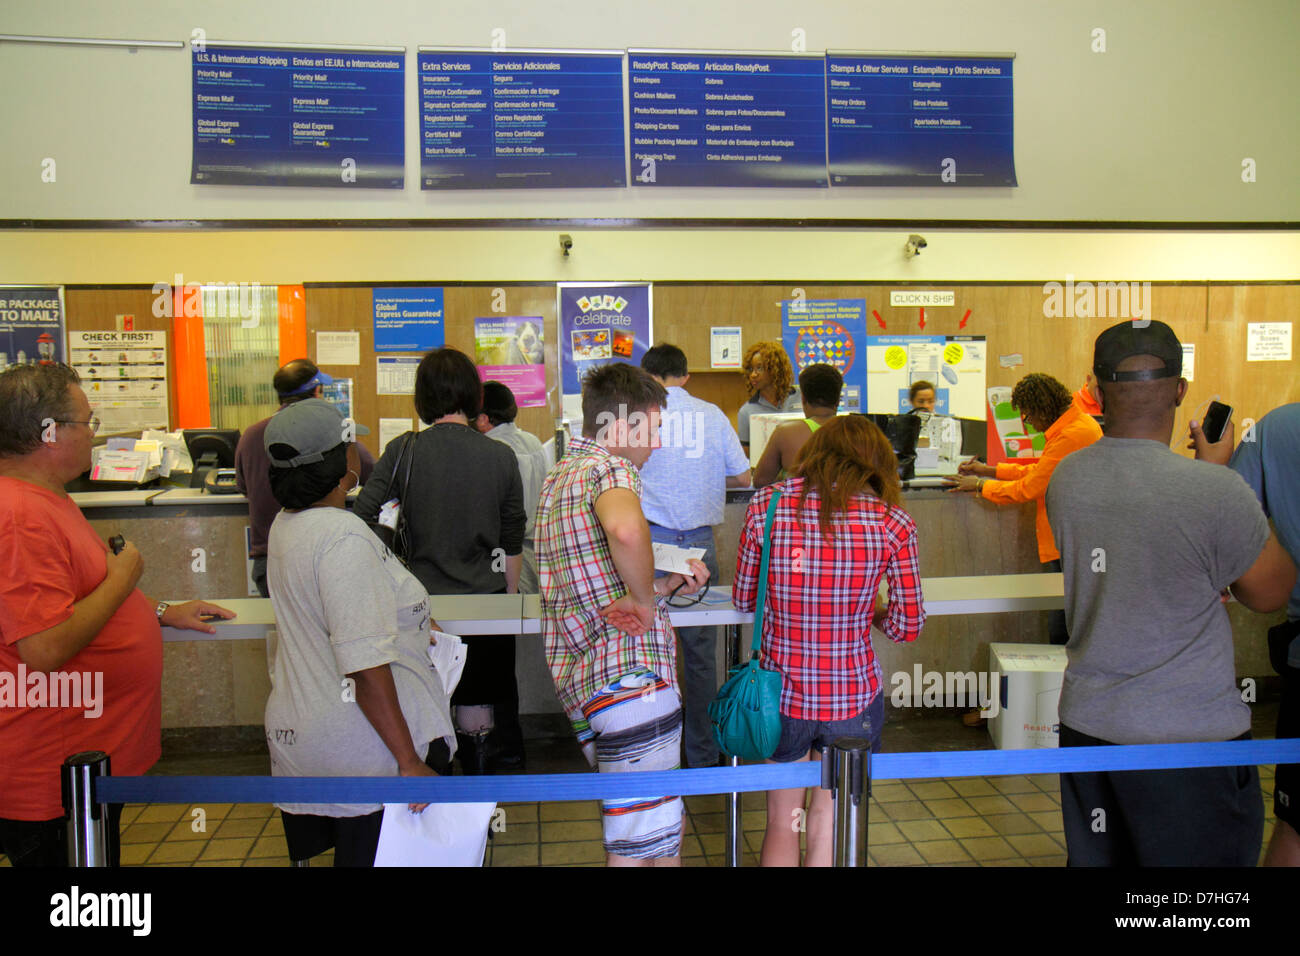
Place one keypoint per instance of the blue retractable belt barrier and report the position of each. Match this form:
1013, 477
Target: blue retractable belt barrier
622, 786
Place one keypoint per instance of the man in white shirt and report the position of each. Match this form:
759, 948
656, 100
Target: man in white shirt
683, 493
497, 421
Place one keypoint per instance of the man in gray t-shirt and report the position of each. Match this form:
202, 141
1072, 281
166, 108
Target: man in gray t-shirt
1148, 540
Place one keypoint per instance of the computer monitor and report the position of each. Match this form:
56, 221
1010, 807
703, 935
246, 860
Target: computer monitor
902, 432
974, 438
210, 448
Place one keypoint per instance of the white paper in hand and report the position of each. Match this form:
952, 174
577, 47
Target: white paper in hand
445, 834
669, 557
448, 658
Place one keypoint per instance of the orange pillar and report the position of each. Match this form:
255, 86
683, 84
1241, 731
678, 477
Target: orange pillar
292, 300
192, 410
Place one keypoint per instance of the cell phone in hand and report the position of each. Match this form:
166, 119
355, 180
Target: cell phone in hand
1216, 420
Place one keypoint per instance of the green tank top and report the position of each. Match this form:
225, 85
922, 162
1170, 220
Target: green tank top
812, 428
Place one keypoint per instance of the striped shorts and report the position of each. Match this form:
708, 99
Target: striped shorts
637, 721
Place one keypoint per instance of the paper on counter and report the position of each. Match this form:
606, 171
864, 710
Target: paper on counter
669, 557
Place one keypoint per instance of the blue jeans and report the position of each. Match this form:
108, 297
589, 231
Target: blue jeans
699, 655
800, 737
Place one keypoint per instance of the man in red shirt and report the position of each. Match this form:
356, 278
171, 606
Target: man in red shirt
80, 645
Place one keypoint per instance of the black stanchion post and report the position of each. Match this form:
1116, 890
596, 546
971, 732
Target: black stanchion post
87, 819
733, 799
852, 795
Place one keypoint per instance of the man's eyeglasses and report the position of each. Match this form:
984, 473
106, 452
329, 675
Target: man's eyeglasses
94, 424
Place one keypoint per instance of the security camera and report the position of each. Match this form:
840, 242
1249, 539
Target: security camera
566, 243
913, 246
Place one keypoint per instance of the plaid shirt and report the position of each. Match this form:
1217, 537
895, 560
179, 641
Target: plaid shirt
577, 578
821, 593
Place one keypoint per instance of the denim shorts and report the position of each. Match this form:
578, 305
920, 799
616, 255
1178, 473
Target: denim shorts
798, 737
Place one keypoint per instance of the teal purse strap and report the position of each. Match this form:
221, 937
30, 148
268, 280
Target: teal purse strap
762, 575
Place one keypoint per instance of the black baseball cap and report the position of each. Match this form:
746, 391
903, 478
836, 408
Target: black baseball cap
1131, 338
308, 429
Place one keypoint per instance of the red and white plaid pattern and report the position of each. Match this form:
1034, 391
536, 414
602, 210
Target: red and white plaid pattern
577, 578
821, 594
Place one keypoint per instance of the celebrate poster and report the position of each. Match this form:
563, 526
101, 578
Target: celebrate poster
600, 322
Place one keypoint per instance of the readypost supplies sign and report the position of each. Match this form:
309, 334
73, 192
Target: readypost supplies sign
600, 322
408, 319
33, 326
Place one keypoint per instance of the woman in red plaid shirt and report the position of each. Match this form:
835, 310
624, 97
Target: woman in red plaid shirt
839, 528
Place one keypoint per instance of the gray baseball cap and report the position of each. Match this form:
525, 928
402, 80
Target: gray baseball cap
310, 428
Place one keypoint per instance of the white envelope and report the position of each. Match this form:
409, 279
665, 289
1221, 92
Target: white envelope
669, 557
448, 659
445, 834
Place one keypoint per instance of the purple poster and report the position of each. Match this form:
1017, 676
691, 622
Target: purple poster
510, 350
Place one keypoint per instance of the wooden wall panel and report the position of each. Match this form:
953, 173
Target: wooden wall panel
91, 310
1012, 318
350, 309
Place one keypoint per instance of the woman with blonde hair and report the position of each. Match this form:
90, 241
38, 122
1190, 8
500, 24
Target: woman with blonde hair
767, 370
838, 528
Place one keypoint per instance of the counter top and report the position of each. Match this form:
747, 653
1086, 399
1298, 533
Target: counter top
910, 492
472, 614
461, 614
169, 497
114, 499
195, 496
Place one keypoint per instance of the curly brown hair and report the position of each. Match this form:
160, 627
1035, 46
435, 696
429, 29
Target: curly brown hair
1041, 396
847, 456
771, 356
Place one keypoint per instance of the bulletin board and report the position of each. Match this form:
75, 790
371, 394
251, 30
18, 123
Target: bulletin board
953, 364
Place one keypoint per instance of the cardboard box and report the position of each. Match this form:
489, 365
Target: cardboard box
1030, 678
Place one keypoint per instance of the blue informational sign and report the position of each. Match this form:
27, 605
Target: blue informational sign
33, 325
920, 121
408, 318
290, 117
831, 332
523, 119
727, 119
601, 323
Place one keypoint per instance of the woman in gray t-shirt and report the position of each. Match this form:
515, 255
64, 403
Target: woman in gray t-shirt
353, 692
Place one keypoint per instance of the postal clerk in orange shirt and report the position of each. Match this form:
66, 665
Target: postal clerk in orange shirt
1048, 406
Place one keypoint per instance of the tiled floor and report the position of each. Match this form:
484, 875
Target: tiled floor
967, 821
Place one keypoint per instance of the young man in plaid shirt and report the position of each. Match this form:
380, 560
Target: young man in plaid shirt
608, 642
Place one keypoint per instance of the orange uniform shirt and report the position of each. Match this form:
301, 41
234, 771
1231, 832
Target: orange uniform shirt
1084, 401
1017, 483
107, 697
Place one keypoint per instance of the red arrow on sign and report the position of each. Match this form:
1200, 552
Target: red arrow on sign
962, 323
922, 317
878, 318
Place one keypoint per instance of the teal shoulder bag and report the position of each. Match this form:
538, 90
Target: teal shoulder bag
746, 713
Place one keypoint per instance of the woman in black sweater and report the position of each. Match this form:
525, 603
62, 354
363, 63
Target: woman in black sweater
464, 513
